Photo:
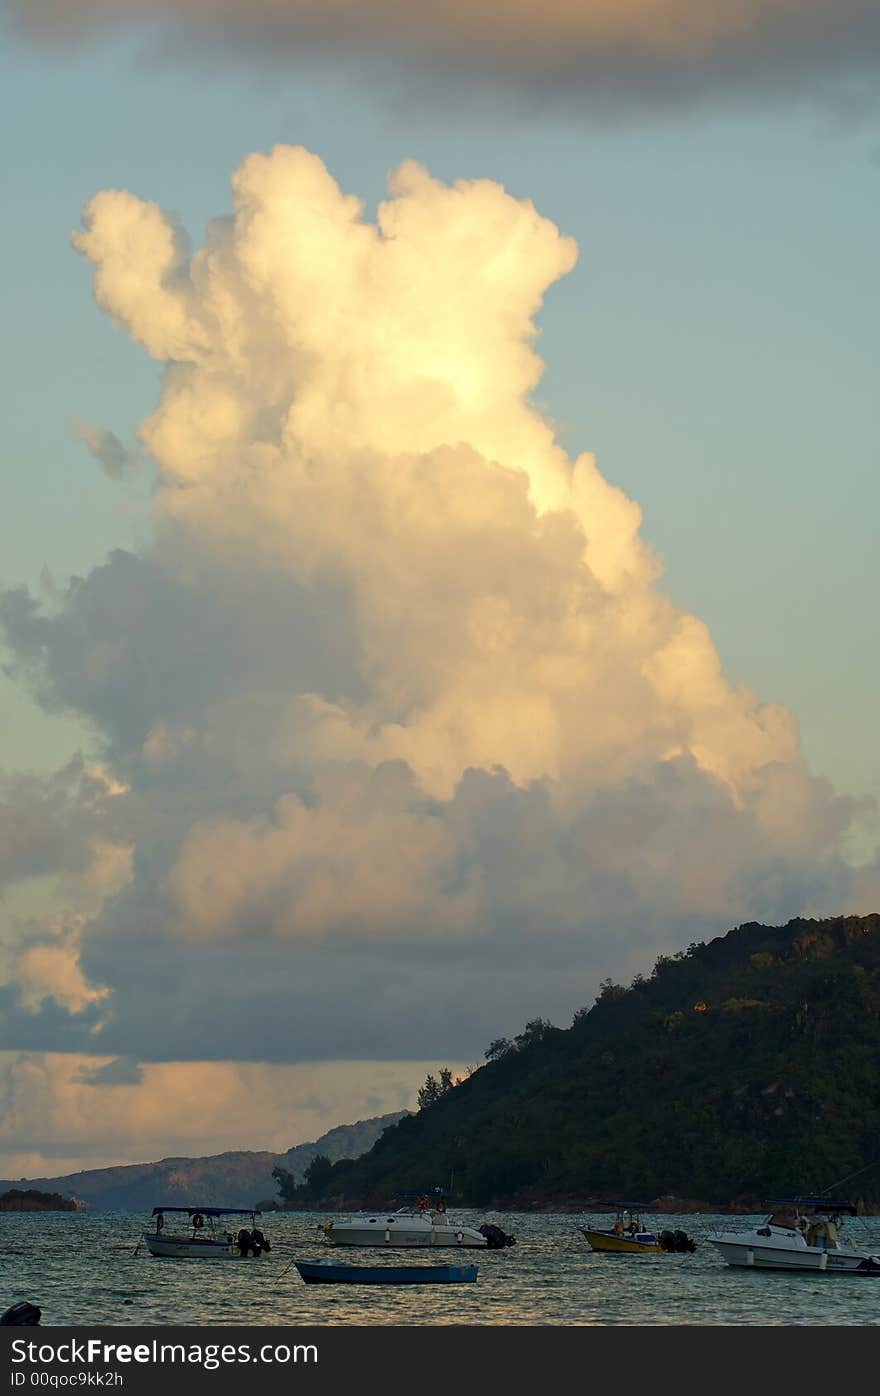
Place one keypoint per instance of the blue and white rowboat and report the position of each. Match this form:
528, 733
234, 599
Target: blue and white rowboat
327, 1272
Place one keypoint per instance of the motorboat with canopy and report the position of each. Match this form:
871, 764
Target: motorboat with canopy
629, 1236
422, 1221
801, 1233
205, 1234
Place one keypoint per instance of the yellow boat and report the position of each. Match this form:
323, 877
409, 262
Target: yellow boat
627, 1236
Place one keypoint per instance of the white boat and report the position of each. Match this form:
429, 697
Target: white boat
425, 1224
801, 1233
205, 1235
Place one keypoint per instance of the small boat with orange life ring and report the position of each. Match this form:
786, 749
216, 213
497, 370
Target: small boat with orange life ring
628, 1236
206, 1235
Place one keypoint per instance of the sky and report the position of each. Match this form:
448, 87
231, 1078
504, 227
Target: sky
439, 567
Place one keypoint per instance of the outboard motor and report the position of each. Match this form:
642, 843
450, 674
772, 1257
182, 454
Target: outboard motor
259, 1241
22, 1315
244, 1241
677, 1241
496, 1239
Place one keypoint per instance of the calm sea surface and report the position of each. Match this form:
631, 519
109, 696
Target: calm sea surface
79, 1268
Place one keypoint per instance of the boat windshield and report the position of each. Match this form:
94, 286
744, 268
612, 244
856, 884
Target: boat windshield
783, 1217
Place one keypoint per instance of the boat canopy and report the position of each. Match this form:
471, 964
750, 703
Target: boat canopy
425, 1192
212, 1211
816, 1204
630, 1206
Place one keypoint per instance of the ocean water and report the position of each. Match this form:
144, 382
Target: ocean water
80, 1268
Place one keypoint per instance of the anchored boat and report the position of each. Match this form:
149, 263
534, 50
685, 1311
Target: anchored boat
629, 1237
205, 1234
427, 1223
327, 1272
801, 1233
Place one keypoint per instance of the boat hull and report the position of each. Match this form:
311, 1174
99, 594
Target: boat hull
622, 1245
749, 1254
328, 1273
192, 1247
385, 1234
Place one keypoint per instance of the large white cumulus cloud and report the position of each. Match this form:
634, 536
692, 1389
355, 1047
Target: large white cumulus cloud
409, 744
623, 52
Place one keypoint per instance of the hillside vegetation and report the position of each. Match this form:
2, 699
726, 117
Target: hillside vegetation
740, 1069
32, 1200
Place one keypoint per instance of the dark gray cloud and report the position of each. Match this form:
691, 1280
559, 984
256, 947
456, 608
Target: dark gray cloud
132, 644
47, 822
557, 919
632, 52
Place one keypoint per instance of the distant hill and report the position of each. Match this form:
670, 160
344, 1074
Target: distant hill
739, 1069
231, 1179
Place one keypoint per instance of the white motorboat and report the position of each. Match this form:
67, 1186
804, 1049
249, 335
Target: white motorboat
205, 1235
801, 1233
427, 1223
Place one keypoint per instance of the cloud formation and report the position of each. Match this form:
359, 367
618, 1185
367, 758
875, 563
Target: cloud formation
106, 448
402, 743
61, 1113
623, 51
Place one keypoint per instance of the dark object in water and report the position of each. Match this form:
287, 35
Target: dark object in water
496, 1239
677, 1241
22, 1314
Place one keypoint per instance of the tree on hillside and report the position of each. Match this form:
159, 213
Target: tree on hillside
317, 1175
287, 1184
536, 1030
315, 1179
609, 991
434, 1090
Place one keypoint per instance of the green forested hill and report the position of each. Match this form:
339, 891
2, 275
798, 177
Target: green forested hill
741, 1068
